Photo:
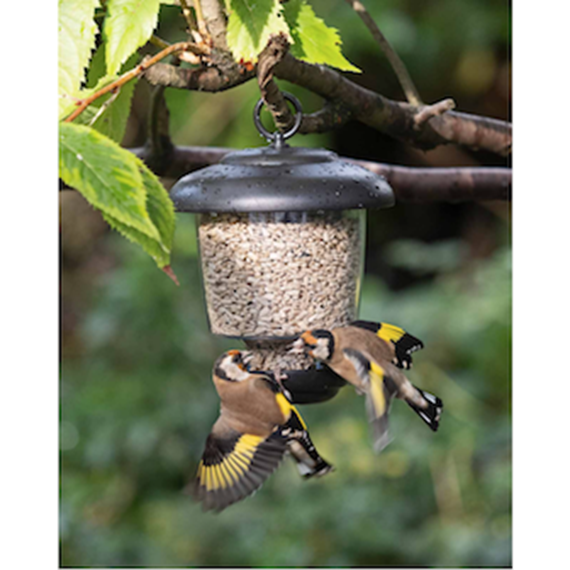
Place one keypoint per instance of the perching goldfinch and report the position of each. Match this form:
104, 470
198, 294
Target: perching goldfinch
369, 356
257, 426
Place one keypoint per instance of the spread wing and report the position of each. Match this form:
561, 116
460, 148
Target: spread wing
234, 465
401, 343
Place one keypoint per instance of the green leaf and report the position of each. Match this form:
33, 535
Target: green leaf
130, 197
128, 26
250, 25
76, 39
314, 41
105, 174
161, 211
109, 113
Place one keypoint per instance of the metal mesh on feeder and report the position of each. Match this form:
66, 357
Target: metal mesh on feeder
281, 234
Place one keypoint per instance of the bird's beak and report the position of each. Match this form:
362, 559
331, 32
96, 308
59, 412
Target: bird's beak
298, 347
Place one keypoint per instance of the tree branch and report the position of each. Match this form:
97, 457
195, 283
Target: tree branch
222, 73
215, 22
410, 184
331, 116
393, 118
398, 119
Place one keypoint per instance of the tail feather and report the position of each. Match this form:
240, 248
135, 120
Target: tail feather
431, 413
380, 434
378, 399
308, 460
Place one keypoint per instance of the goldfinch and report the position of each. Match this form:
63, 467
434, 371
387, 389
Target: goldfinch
256, 427
369, 356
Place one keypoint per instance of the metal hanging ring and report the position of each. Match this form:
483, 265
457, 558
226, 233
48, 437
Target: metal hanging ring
277, 136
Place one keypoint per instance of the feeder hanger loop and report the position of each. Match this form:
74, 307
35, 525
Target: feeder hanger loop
278, 138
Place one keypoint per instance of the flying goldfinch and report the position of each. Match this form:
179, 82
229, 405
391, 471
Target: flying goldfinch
369, 356
256, 427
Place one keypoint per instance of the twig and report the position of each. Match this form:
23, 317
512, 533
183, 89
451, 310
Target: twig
412, 94
104, 106
202, 28
429, 111
188, 16
138, 70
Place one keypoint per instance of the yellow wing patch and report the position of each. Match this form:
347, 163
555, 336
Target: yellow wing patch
284, 405
287, 408
223, 474
390, 332
234, 466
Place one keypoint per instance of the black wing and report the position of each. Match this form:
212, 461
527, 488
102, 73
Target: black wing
235, 465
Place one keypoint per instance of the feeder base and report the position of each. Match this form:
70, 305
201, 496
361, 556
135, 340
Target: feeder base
306, 383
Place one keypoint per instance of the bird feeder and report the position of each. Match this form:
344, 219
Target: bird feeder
281, 233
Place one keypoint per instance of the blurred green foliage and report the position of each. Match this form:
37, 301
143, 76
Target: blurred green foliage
137, 401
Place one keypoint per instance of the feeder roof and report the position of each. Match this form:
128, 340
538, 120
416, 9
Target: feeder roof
286, 179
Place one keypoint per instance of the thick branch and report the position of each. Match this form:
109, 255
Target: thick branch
222, 73
457, 184
398, 119
215, 22
393, 118
410, 184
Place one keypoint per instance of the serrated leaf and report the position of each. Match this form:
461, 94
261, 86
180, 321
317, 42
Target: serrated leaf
128, 26
76, 40
250, 25
111, 113
314, 41
108, 114
130, 197
159, 206
161, 211
107, 175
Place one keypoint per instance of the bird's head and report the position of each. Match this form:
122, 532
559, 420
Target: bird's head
231, 366
317, 343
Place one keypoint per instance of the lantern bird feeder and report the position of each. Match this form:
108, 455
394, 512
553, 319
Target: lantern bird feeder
281, 234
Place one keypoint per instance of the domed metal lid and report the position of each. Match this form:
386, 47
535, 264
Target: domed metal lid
272, 179
279, 178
